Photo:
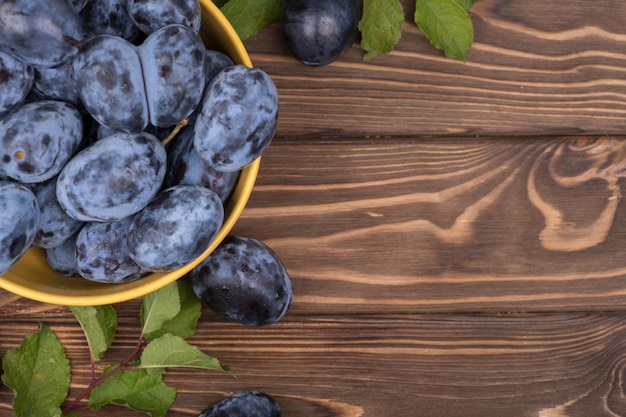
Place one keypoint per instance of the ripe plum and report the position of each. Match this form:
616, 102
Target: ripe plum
175, 228
109, 17
186, 167
38, 138
102, 252
19, 222
110, 83
41, 33
317, 32
244, 404
237, 118
172, 63
57, 84
150, 16
62, 258
16, 79
55, 226
112, 178
80, 4
214, 63
245, 281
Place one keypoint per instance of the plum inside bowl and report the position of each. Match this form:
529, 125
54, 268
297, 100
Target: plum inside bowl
31, 277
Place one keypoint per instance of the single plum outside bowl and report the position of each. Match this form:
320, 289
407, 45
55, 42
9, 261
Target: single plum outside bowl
32, 278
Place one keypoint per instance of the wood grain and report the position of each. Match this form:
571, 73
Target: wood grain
366, 366
454, 231
423, 225
414, 225
536, 67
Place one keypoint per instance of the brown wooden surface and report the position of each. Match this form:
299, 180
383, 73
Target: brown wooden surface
455, 231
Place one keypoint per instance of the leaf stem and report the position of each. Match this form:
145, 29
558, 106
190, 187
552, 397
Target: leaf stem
92, 364
124, 365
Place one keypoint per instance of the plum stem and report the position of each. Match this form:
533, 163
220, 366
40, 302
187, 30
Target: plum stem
124, 365
175, 131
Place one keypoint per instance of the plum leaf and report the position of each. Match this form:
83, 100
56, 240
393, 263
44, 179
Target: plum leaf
380, 26
467, 4
184, 323
136, 389
159, 307
249, 17
447, 25
170, 351
38, 372
99, 324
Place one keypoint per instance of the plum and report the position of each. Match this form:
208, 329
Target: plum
244, 404
317, 32
245, 281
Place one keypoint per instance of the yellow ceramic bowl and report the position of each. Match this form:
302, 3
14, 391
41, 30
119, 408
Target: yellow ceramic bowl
32, 278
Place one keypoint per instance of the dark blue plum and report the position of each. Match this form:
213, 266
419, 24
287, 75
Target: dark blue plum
16, 79
245, 281
102, 132
109, 17
317, 32
112, 178
102, 253
172, 61
214, 63
150, 15
62, 258
55, 226
57, 84
80, 4
237, 118
41, 33
38, 138
19, 222
184, 166
175, 228
111, 85
244, 404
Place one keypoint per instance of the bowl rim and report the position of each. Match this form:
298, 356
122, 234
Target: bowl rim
115, 293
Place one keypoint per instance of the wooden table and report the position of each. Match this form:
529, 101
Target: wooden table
454, 231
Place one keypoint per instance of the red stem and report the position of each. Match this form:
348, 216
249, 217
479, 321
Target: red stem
97, 381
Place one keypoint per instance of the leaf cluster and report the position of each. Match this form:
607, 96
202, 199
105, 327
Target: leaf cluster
446, 23
39, 373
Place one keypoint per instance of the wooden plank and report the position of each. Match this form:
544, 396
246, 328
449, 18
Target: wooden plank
536, 67
414, 225
367, 366
423, 225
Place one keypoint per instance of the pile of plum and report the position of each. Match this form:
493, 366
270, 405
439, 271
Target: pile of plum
122, 136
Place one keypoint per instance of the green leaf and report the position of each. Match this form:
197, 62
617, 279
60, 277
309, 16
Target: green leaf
159, 307
447, 25
38, 372
136, 389
380, 26
99, 324
184, 323
220, 3
248, 17
170, 351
